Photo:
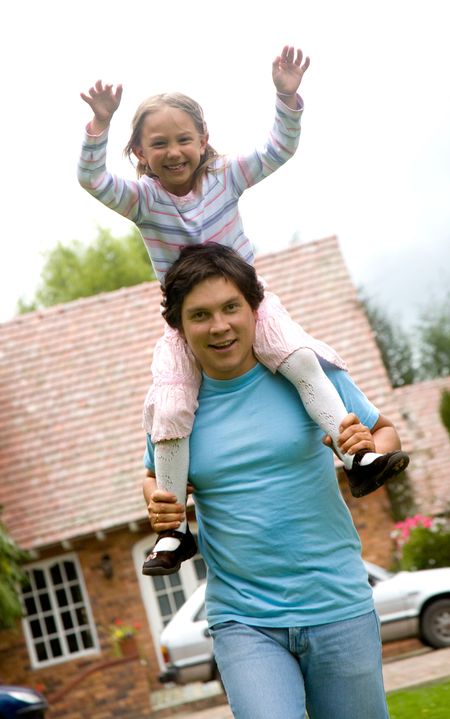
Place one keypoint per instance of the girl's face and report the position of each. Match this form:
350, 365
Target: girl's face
172, 147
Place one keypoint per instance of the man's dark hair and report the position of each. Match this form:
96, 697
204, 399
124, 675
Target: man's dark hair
197, 263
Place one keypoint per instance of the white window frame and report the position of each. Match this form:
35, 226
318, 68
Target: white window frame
45, 566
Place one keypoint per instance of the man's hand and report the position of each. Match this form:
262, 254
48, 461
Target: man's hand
163, 509
288, 70
104, 102
353, 436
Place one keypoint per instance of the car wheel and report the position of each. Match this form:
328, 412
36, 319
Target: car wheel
435, 624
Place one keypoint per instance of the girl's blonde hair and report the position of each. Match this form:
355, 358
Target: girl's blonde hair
180, 102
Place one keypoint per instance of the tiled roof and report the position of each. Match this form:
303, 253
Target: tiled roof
420, 405
73, 379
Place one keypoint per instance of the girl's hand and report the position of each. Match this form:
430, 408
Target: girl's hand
104, 102
288, 70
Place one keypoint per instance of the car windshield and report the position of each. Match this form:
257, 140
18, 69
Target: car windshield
376, 573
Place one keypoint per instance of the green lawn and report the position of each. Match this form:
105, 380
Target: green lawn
431, 701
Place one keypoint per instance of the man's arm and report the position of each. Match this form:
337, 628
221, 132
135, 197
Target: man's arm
354, 436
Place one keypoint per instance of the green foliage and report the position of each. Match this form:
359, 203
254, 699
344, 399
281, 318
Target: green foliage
434, 340
432, 701
426, 549
444, 409
78, 270
422, 543
401, 497
394, 344
11, 576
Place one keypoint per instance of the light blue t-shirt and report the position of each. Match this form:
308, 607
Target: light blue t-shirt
278, 540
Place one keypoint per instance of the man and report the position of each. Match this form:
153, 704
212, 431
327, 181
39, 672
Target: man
289, 606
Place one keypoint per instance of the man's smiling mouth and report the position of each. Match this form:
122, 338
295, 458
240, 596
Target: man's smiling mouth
222, 345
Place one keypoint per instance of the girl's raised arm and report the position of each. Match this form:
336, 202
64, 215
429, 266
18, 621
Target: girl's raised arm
103, 101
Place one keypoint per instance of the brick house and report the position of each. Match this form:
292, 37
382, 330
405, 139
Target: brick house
72, 383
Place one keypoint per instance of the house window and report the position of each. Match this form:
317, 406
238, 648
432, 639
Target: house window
169, 590
58, 622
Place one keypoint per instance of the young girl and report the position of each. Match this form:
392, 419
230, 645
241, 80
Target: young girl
187, 194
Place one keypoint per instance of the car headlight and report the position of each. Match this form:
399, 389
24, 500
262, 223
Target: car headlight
27, 697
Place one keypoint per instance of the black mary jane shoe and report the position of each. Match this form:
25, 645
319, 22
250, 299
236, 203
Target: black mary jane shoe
364, 479
165, 562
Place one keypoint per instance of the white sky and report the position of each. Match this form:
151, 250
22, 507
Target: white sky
373, 166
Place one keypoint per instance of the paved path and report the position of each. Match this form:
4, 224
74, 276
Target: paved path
426, 666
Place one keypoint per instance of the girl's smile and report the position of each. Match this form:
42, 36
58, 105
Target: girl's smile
172, 147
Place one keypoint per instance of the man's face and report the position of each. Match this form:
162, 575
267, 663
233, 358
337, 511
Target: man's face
219, 327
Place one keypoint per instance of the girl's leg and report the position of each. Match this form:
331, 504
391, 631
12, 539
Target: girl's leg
168, 417
320, 398
171, 469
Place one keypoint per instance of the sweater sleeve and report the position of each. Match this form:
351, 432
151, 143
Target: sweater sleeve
121, 195
247, 170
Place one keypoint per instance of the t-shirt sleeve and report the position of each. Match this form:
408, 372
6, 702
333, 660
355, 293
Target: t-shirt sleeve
149, 455
353, 398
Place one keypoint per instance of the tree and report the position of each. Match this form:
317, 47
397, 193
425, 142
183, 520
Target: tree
434, 340
11, 576
78, 270
444, 409
394, 343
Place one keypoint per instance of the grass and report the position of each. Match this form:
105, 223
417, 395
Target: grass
432, 700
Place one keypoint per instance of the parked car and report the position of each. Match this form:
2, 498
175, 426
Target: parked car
17, 702
409, 604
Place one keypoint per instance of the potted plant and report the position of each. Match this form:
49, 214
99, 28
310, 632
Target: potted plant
123, 638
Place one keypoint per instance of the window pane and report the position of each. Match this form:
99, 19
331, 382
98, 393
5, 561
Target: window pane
50, 625
200, 568
76, 594
164, 605
41, 651
67, 620
73, 643
44, 601
81, 616
55, 572
174, 580
87, 639
39, 578
30, 606
70, 571
61, 596
158, 583
56, 647
36, 629
179, 599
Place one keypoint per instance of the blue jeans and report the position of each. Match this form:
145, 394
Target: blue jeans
332, 670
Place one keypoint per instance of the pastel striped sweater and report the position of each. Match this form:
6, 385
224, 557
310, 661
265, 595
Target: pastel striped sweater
167, 222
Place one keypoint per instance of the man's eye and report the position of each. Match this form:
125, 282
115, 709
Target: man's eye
198, 316
232, 307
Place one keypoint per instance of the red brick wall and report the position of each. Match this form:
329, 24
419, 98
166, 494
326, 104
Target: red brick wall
112, 686
118, 597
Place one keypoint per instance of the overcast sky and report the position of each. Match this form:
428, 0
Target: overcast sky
373, 166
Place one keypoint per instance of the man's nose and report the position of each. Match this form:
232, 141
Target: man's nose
219, 324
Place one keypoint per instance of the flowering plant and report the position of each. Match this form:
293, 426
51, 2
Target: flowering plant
119, 630
422, 542
402, 530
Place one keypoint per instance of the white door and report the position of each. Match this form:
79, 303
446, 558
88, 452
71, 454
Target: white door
162, 596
